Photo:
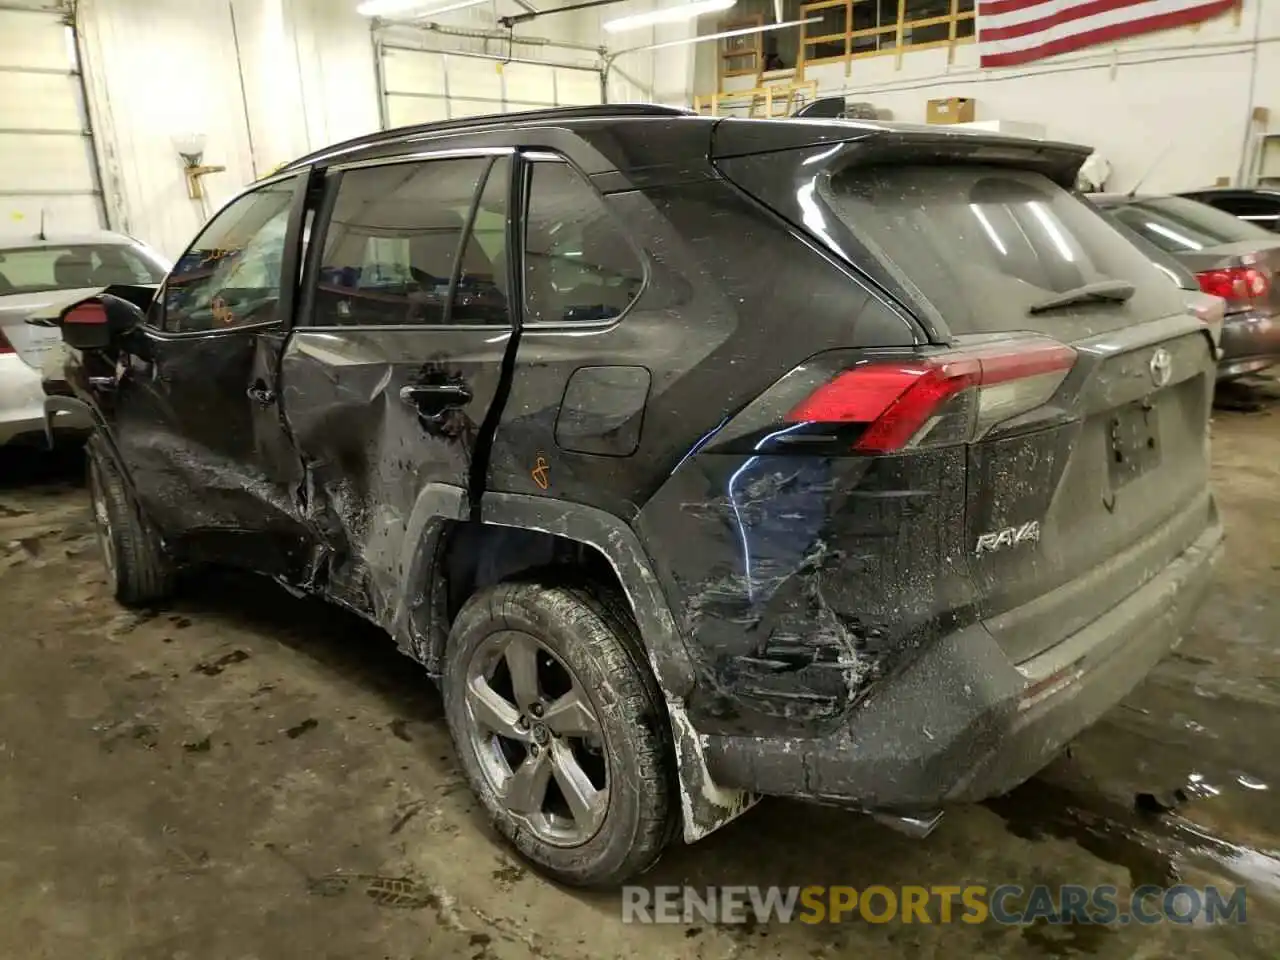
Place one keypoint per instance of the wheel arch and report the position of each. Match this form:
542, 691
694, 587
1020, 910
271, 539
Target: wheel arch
422, 614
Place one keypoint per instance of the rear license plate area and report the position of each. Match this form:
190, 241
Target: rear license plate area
1134, 435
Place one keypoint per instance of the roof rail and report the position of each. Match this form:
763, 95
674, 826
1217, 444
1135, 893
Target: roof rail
602, 111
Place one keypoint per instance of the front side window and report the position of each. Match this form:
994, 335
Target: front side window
394, 251
578, 265
230, 276
72, 266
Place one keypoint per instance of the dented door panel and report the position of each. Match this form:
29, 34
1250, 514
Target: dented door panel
377, 415
211, 466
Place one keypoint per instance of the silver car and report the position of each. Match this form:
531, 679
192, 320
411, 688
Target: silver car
35, 277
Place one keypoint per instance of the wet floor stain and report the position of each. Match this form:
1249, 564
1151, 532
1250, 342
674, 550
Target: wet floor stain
306, 726
406, 813
400, 893
215, 667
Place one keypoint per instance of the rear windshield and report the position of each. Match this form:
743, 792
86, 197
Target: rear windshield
1163, 260
984, 244
1177, 224
54, 267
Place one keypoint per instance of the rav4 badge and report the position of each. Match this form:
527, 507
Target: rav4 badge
1029, 532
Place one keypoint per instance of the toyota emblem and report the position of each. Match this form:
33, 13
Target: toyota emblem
1161, 367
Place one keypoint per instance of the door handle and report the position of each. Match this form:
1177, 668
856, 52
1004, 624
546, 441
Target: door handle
434, 399
261, 393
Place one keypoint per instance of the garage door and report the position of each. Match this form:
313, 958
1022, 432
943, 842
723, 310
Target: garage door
46, 152
421, 87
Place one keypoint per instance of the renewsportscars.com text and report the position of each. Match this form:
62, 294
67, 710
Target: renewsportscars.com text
973, 904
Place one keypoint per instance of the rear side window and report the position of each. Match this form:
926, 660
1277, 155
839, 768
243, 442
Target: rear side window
985, 244
1179, 225
394, 252
578, 265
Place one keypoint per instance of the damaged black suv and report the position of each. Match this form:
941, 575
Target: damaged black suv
696, 459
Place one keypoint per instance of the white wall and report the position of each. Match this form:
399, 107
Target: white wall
264, 80
1189, 92
309, 75
659, 76
269, 80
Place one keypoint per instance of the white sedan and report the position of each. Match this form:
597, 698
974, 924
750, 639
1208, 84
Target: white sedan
35, 276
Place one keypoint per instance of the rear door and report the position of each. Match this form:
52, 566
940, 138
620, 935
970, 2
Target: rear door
390, 383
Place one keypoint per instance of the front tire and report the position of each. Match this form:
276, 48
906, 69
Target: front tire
560, 728
138, 570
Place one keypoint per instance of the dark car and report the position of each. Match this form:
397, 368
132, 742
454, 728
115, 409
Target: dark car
696, 459
1231, 258
1258, 205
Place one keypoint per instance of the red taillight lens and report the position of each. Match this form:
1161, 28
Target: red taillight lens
5, 345
1236, 283
947, 398
86, 313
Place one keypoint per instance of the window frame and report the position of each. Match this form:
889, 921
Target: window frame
897, 29
333, 176
529, 160
289, 263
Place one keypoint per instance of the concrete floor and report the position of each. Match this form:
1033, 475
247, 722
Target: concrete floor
246, 775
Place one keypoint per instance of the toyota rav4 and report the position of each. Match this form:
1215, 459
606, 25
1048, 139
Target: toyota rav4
696, 459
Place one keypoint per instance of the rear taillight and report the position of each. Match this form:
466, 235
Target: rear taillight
951, 397
1236, 283
86, 313
5, 345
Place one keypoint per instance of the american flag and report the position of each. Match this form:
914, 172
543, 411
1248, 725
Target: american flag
1017, 31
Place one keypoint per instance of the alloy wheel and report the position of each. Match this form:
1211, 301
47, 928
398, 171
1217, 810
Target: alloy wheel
537, 737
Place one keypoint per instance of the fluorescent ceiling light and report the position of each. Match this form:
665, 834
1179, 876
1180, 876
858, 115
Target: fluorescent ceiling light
677, 14
414, 8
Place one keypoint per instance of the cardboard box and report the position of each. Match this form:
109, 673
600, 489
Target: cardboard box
951, 110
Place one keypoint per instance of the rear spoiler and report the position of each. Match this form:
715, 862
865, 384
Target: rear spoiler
878, 142
824, 108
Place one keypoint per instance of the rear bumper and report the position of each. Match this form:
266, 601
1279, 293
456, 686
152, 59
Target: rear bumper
1250, 342
22, 403
964, 723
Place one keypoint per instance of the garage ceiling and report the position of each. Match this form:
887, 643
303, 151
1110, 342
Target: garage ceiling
46, 149
422, 86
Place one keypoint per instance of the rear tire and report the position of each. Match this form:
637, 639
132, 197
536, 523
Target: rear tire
580, 651
139, 572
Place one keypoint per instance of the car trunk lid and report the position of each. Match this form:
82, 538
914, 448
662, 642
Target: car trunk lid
33, 343
1118, 490
1241, 257
1074, 504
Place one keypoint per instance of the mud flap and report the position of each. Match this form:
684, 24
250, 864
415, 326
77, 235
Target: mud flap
55, 405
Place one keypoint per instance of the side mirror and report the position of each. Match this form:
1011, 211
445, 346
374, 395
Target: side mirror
99, 321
